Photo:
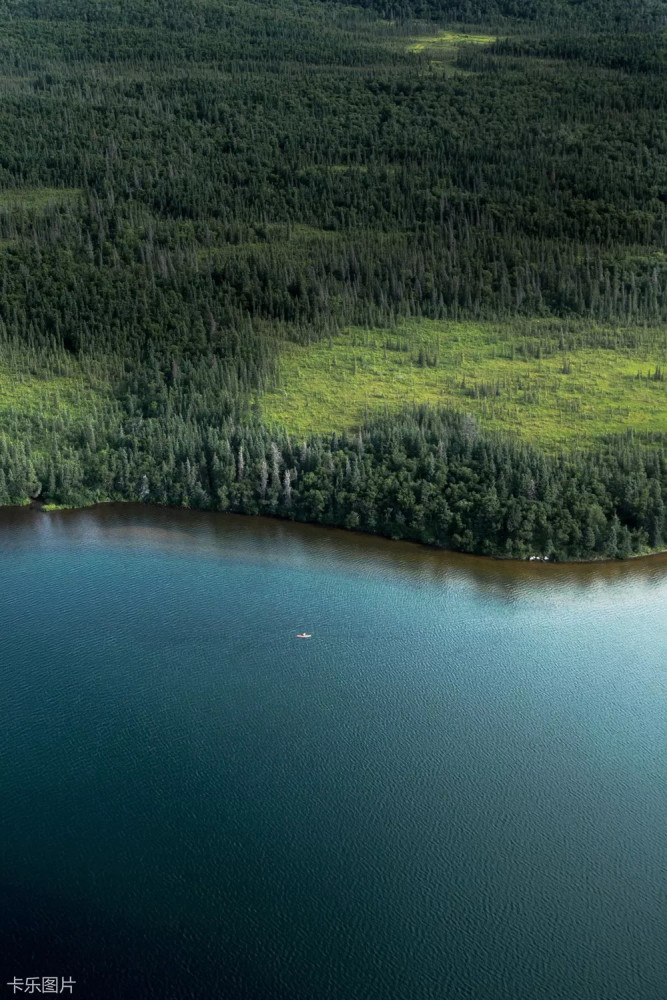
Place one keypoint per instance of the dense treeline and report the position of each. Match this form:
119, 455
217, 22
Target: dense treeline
423, 475
596, 14
184, 187
517, 187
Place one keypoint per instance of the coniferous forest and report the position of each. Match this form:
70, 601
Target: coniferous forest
191, 189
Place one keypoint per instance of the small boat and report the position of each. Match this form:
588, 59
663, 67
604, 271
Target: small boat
304, 635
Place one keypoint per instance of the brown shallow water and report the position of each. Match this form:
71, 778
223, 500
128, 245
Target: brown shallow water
261, 538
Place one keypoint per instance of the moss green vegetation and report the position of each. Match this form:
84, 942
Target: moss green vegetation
52, 407
293, 243
36, 199
446, 43
68, 397
526, 382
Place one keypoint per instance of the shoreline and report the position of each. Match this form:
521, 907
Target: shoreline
33, 504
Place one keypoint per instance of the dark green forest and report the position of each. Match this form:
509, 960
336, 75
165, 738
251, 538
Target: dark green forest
157, 158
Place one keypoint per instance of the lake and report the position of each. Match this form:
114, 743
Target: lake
455, 789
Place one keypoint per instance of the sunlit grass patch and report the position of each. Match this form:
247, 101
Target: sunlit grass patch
334, 168
68, 398
447, 42
294, 240
566, 398
36, 199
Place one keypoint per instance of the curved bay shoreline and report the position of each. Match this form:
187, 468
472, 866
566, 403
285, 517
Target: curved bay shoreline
215, 531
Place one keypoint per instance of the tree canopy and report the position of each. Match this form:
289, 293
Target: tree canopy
185, 187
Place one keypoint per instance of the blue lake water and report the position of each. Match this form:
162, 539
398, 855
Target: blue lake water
455, 789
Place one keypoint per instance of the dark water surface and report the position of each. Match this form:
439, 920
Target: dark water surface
456, 789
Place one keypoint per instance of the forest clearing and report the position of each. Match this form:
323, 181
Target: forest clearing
517, 382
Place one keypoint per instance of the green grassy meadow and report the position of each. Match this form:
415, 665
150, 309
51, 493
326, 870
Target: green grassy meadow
48, 395
36, 406
445, 43
568, 397
36, 199
442, 49
296, 241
